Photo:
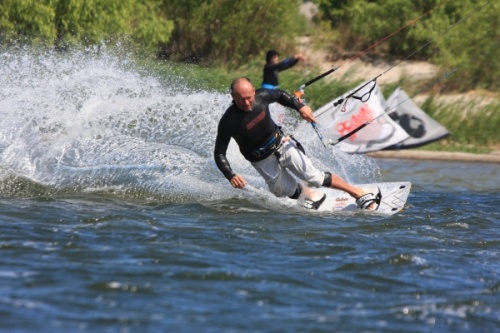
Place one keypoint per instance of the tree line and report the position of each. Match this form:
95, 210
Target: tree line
210, 31
461, 35
453, 34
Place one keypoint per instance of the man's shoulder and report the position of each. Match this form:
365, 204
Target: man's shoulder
261, 94
231, 112
261, 91
264, 92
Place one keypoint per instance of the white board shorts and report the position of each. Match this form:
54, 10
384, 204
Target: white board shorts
279, 174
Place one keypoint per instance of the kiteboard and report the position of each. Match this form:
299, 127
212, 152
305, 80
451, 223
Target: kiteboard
394, 196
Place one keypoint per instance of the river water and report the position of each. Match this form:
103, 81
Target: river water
114, 218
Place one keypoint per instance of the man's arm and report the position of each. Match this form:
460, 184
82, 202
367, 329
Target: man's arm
307, 114
221, 145
288, 100
285, 64
223, 165
236, 181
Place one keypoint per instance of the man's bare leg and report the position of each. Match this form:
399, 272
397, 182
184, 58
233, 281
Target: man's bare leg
338, 184
310, 198
309, 193
355, 192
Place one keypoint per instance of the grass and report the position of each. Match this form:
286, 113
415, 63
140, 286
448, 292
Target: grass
474, 127
219, 79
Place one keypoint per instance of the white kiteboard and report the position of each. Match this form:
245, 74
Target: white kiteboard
394, 196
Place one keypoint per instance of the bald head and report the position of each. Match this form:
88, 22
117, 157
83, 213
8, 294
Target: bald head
243, 93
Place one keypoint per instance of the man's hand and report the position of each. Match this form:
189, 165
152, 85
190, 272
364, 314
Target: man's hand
307, 114
300, 56
238, 182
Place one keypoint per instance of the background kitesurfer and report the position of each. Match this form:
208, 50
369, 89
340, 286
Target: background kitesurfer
273, 66
275, 156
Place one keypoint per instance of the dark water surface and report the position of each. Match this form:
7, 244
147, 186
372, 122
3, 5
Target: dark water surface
114, 218
94, 264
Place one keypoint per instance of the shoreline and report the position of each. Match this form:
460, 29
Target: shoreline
437, 155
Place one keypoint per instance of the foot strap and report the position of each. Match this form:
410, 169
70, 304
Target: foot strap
364, 201
309, 204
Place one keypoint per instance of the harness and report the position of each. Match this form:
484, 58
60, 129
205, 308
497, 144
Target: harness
269, 86
273, 144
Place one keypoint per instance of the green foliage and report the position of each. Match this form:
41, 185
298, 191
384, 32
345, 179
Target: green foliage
193, 76
471, 124
150, 25
83, 22
364, 23
466, 35
231, 32
27, 20
453, 34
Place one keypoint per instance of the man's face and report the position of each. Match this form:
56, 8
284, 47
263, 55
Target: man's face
244, 95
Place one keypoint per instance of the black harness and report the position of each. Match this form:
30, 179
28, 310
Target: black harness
273, 144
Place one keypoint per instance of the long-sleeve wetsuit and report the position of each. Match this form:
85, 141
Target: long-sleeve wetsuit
271, 71
251, 129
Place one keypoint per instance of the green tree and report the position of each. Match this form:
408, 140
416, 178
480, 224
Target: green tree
26, 21
453, 34
364, 23
466, 36
232, 31
93, 21
84, 22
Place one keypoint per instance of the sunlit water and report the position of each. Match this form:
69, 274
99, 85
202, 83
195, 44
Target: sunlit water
114, 218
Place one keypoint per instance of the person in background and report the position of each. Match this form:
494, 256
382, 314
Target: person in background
276, 156
273, 66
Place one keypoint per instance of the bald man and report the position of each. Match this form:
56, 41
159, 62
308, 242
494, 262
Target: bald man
275, 156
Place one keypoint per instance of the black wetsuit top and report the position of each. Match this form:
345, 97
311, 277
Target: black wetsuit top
271, 70
251, 129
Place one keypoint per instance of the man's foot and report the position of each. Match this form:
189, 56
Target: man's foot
310, 204
369, 201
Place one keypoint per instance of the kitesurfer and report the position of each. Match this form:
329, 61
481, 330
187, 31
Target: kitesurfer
276, 156
274, 65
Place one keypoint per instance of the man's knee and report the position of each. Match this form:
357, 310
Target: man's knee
297, 193
283, 190
327, 182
